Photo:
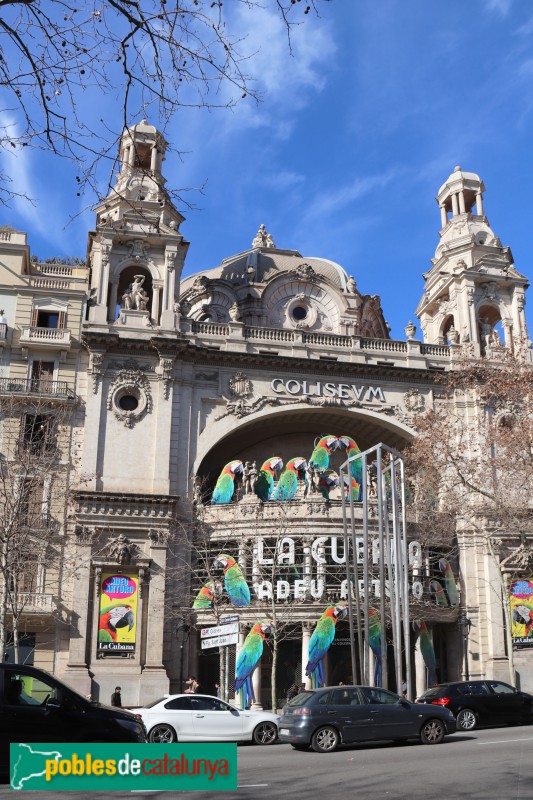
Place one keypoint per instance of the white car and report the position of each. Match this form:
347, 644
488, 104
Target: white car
204, 718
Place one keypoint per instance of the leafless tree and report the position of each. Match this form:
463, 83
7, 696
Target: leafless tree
153, 57
472, 460
35, 467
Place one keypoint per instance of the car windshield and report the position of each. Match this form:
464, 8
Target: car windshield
300, 699
155, 702
435, 691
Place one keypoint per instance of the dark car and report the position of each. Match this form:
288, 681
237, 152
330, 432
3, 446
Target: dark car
481, 703
36, 707
324, 718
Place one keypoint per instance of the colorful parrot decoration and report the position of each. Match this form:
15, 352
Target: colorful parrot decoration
356, 467
374, 640
225, 485
327, 482
234, 582
449, 582
250, 654
523, 615
265, 480
320, 642
112, 617
428, 653
207, 594
288, 482
321, 453
440, 595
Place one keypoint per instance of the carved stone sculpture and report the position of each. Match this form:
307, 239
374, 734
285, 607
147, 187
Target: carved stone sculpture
263, 238
122, 550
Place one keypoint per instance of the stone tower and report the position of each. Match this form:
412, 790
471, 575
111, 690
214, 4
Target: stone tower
473, 294
137, 252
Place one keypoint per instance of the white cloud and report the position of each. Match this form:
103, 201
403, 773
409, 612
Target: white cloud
330, 202
500, 6
286, 179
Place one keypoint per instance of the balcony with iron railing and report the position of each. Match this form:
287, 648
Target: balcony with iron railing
39, 387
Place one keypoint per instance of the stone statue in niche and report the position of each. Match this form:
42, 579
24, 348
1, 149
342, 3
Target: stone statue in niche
486, 333
135, 297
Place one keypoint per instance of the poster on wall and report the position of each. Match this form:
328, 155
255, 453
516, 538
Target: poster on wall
521, 604
117, 623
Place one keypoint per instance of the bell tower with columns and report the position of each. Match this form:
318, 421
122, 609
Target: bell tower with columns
473, 294
137, 252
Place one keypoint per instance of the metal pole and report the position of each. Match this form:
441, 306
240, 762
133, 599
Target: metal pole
384, 675
398, 576
405, 609
389, 562
366, 598
356, 584
348, 574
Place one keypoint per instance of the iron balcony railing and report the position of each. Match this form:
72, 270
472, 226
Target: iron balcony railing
39, 386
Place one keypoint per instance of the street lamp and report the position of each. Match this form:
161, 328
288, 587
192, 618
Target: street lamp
183, 630
464, 626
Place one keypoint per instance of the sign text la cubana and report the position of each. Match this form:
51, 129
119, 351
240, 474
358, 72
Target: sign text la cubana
344, 391
321, 551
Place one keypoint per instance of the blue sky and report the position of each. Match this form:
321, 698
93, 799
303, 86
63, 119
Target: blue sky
342, 159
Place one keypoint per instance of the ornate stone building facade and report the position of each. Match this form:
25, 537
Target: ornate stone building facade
253, 358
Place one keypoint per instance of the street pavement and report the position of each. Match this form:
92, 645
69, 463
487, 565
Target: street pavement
491, 764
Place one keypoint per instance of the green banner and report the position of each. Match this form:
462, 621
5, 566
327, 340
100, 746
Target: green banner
119, 767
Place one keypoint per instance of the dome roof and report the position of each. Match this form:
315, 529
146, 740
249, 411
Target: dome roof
459, 176
266, 263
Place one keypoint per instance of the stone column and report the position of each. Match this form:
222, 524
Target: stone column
479, 204
455, 205
462, 207
256, 686
113, 302
154, 680
153, 159
443, 216
155, 304
306, 637
76, 672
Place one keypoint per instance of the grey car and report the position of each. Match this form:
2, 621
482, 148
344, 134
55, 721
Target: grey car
325, 718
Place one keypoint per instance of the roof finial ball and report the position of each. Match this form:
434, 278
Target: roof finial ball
457, 169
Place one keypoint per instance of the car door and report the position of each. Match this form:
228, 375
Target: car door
25, 713
506, 703
350, 714
390, 717
214, 720
178, 713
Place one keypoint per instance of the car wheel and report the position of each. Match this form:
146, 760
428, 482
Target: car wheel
300, 746
432, 732
265, 733
162, 734
466, 719
325, 740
